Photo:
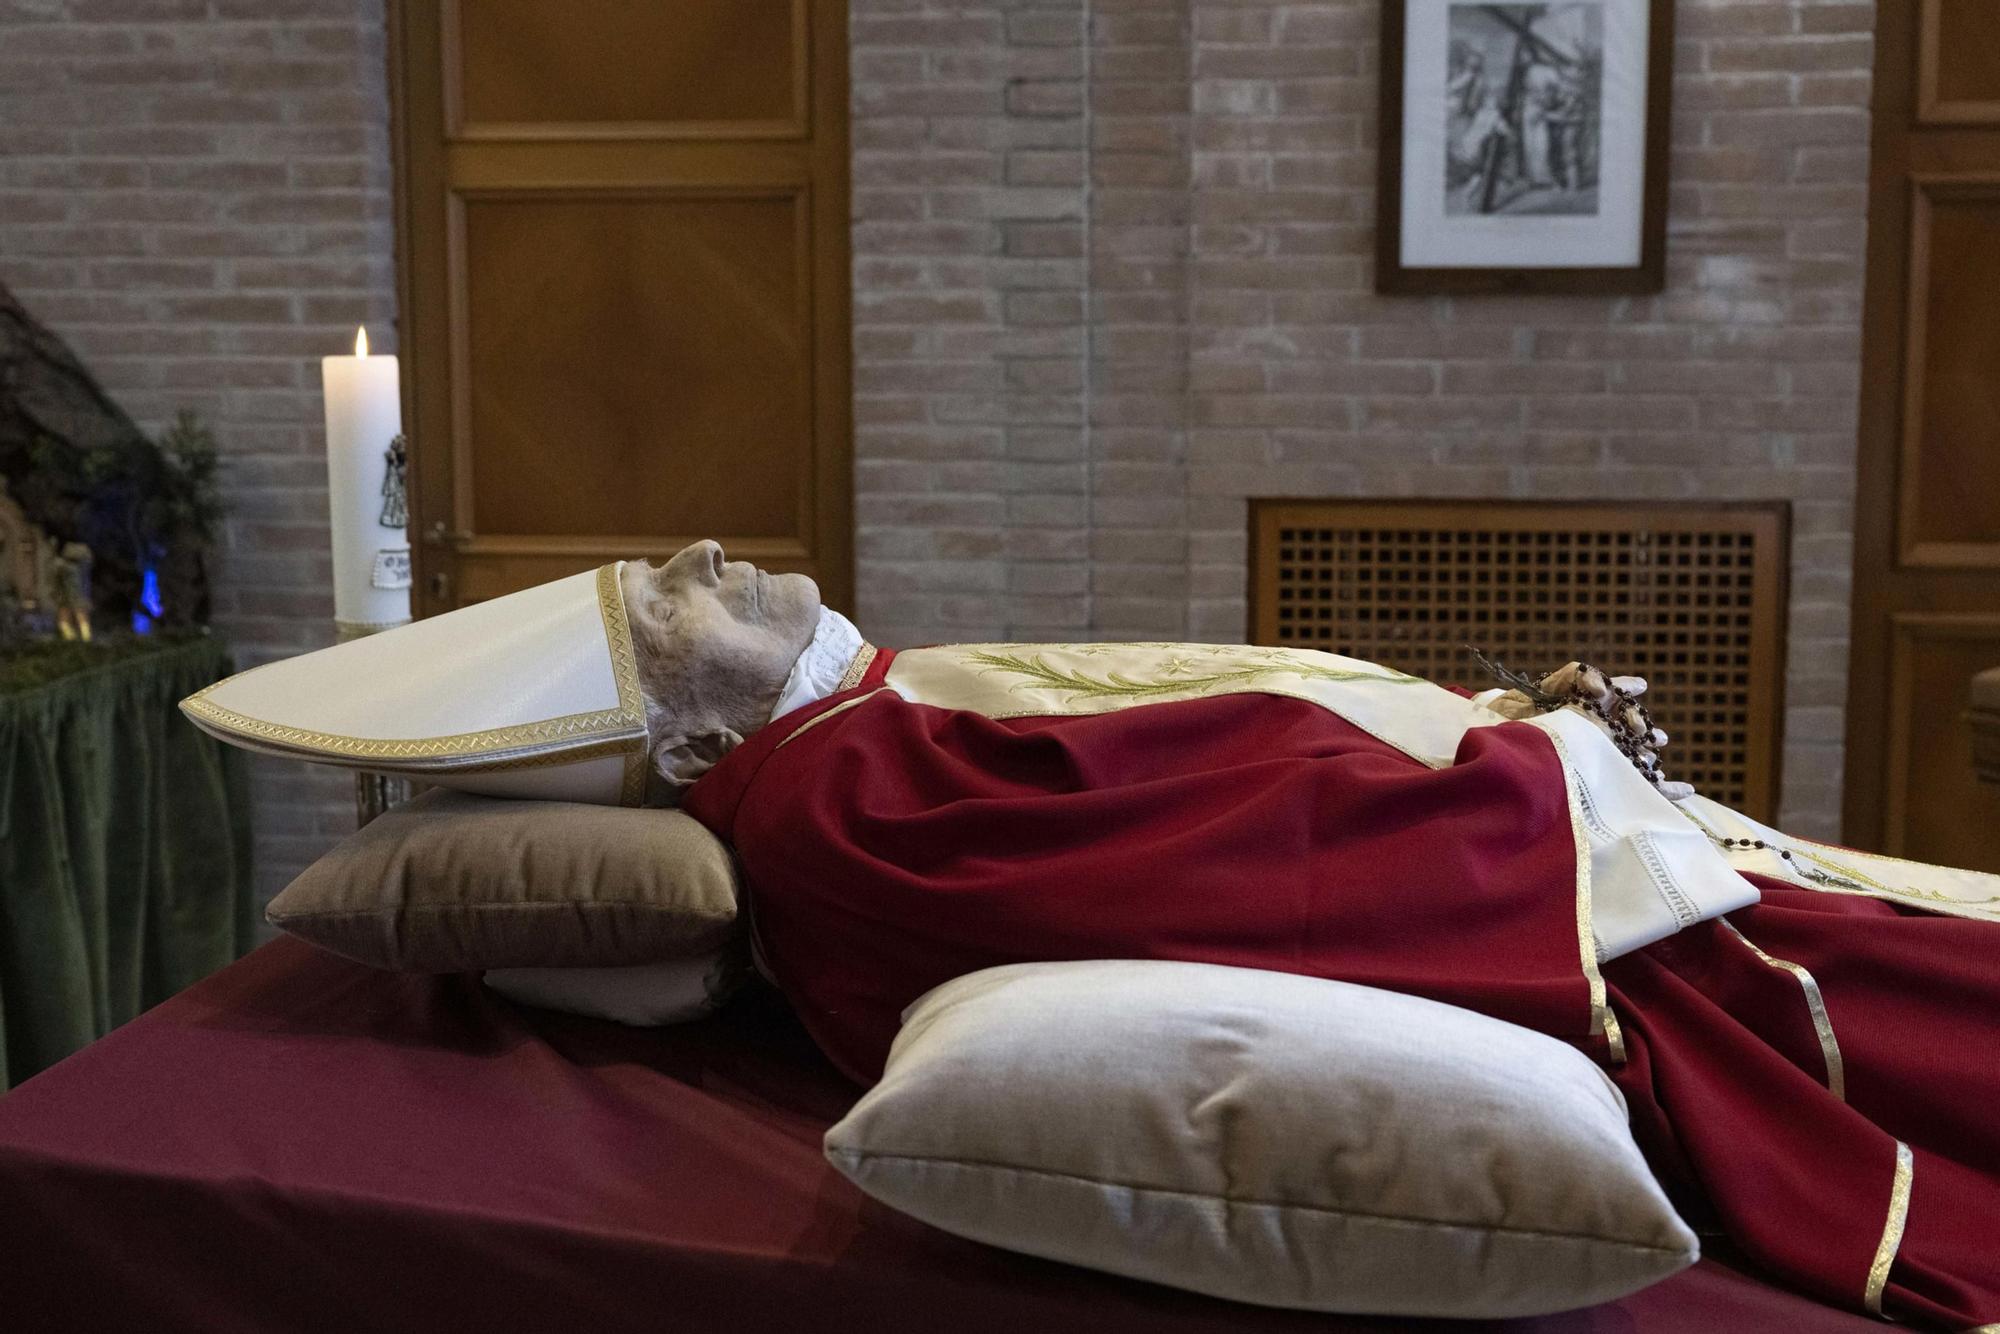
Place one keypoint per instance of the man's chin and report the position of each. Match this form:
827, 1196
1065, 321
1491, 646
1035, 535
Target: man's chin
793, 600
799, 588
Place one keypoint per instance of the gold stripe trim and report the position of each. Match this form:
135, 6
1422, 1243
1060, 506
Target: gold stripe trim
1601, 1018
618, 634
1983, 1329
835, 711
625, 673
1829, 1046
601, 732
1614, 1035
549, 759
438, 752
632, 790
1892, 1229
863, 660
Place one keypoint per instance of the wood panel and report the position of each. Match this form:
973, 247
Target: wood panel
622, 234
1950, 475
1690, 597
1958, 63
579, 331
1926, 521
622, 69
1937, 810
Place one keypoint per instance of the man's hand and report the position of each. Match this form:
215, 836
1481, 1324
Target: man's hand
1612, 702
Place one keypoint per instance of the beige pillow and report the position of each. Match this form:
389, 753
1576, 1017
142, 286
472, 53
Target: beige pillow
1264, 1137
452, 882
642, 995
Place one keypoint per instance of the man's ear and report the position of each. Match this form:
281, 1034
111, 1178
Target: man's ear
681, 759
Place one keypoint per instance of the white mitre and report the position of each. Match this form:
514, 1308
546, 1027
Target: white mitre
535, 694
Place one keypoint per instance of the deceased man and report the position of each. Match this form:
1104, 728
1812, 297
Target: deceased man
1808, 1037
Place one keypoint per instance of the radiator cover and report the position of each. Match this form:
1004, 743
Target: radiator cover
1692, 597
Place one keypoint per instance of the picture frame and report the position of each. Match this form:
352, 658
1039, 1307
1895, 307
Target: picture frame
1524, 146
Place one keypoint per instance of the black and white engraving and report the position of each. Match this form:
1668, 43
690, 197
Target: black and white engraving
1524, 108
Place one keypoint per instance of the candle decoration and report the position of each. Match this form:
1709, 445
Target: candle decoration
365, 458
366, 462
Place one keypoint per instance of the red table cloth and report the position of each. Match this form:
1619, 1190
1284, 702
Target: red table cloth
302, 1143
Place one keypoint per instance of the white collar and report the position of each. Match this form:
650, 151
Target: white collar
821, 664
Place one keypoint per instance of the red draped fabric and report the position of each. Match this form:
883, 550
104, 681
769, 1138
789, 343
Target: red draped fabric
1728, 1079
890, 846
895, 846
301, 1143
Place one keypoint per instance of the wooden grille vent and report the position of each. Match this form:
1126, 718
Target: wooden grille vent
1692, 598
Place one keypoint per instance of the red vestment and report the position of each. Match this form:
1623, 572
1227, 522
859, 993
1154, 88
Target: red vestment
890, 846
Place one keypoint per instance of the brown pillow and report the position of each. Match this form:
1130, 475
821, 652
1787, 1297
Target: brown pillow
452, 882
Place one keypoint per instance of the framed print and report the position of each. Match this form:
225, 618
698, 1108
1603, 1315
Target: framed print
1524, 146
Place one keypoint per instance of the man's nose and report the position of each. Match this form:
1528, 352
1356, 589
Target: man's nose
700, 560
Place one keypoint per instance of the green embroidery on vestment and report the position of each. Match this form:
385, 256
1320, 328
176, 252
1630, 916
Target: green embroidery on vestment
1183, 675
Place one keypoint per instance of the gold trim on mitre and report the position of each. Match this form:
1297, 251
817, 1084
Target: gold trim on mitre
625, 672
581, 736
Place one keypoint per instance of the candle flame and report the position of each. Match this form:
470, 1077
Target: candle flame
360, 340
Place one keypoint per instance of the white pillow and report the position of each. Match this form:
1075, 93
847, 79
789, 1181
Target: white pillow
1265, 1137
644, 995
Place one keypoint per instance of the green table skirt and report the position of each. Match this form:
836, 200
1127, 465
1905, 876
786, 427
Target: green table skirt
124, 851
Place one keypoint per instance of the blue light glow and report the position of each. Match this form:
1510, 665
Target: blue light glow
149, 608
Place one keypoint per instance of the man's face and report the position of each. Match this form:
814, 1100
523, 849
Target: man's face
716, 638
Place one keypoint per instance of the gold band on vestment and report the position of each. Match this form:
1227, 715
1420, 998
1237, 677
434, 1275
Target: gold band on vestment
1614, 1036
835, 711
857, 669
1601, 1018
1892, 1229
1829, 1046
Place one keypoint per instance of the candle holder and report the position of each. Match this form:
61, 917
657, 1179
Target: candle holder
373, 793
377, 793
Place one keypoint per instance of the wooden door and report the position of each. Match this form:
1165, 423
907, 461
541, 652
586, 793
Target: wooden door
1927, 523
623, 254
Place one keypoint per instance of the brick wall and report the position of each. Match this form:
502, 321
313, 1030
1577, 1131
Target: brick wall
1113, 269
1111, 265
196, 194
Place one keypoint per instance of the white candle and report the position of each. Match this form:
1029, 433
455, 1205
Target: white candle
371, 559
